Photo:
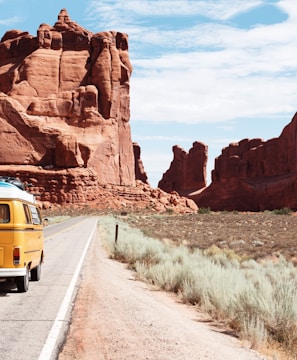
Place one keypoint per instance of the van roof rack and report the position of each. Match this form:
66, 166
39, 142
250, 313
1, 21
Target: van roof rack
10, 190
13, 180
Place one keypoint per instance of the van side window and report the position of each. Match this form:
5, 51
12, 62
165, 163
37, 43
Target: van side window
4, 214
27, 214
35, 215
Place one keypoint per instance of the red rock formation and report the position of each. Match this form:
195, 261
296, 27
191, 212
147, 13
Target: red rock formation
140, 173
64, 119
78, 189
187, 171
64, 100
254, 175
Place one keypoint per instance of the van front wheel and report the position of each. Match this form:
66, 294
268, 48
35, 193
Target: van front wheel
22, 282
36, 273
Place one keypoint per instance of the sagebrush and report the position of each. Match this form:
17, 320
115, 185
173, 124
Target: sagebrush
258, 300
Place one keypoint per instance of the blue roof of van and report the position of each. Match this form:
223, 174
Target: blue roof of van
6, 184
10, 191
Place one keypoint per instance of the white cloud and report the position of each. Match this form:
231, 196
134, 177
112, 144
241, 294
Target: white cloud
218, 9
214, 72
251, 73
224, 9
289, 6
9, 21
211, 95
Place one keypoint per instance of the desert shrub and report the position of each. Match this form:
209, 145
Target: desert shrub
271, 299
204, 210
166, 275
258, 300
134, 250
131, 246
222, 256
194, 290
284, 211
169, 211
169, 272
253, 329
226, 212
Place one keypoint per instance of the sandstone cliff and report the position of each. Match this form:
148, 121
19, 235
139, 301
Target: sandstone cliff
64, 100
64, 118
187, 171
254, 175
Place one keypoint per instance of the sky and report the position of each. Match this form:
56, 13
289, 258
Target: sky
214, 71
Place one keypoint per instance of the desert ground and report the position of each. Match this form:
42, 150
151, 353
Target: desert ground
253, 235
124, 318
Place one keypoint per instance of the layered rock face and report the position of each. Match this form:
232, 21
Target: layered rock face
64, 119
187, 171
255, 175
64, 101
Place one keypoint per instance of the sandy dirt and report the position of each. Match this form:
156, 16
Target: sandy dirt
253, 235
116, 317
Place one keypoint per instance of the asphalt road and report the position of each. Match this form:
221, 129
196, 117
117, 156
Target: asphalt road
28, 319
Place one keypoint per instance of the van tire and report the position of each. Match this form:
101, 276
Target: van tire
22, 282
36, 273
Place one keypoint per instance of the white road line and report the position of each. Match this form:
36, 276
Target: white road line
54, 333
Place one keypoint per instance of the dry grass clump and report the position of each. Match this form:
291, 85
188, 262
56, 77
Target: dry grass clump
258, 301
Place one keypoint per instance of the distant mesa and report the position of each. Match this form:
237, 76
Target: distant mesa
252, 175
255, 175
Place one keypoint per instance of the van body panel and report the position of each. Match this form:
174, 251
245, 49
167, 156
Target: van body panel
1, 256
21, 232
6, 235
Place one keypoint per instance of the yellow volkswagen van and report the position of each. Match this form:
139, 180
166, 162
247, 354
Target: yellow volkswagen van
21, 236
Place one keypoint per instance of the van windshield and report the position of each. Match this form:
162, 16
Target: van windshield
4, 214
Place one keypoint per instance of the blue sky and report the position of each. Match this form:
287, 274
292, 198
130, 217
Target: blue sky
215, 71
